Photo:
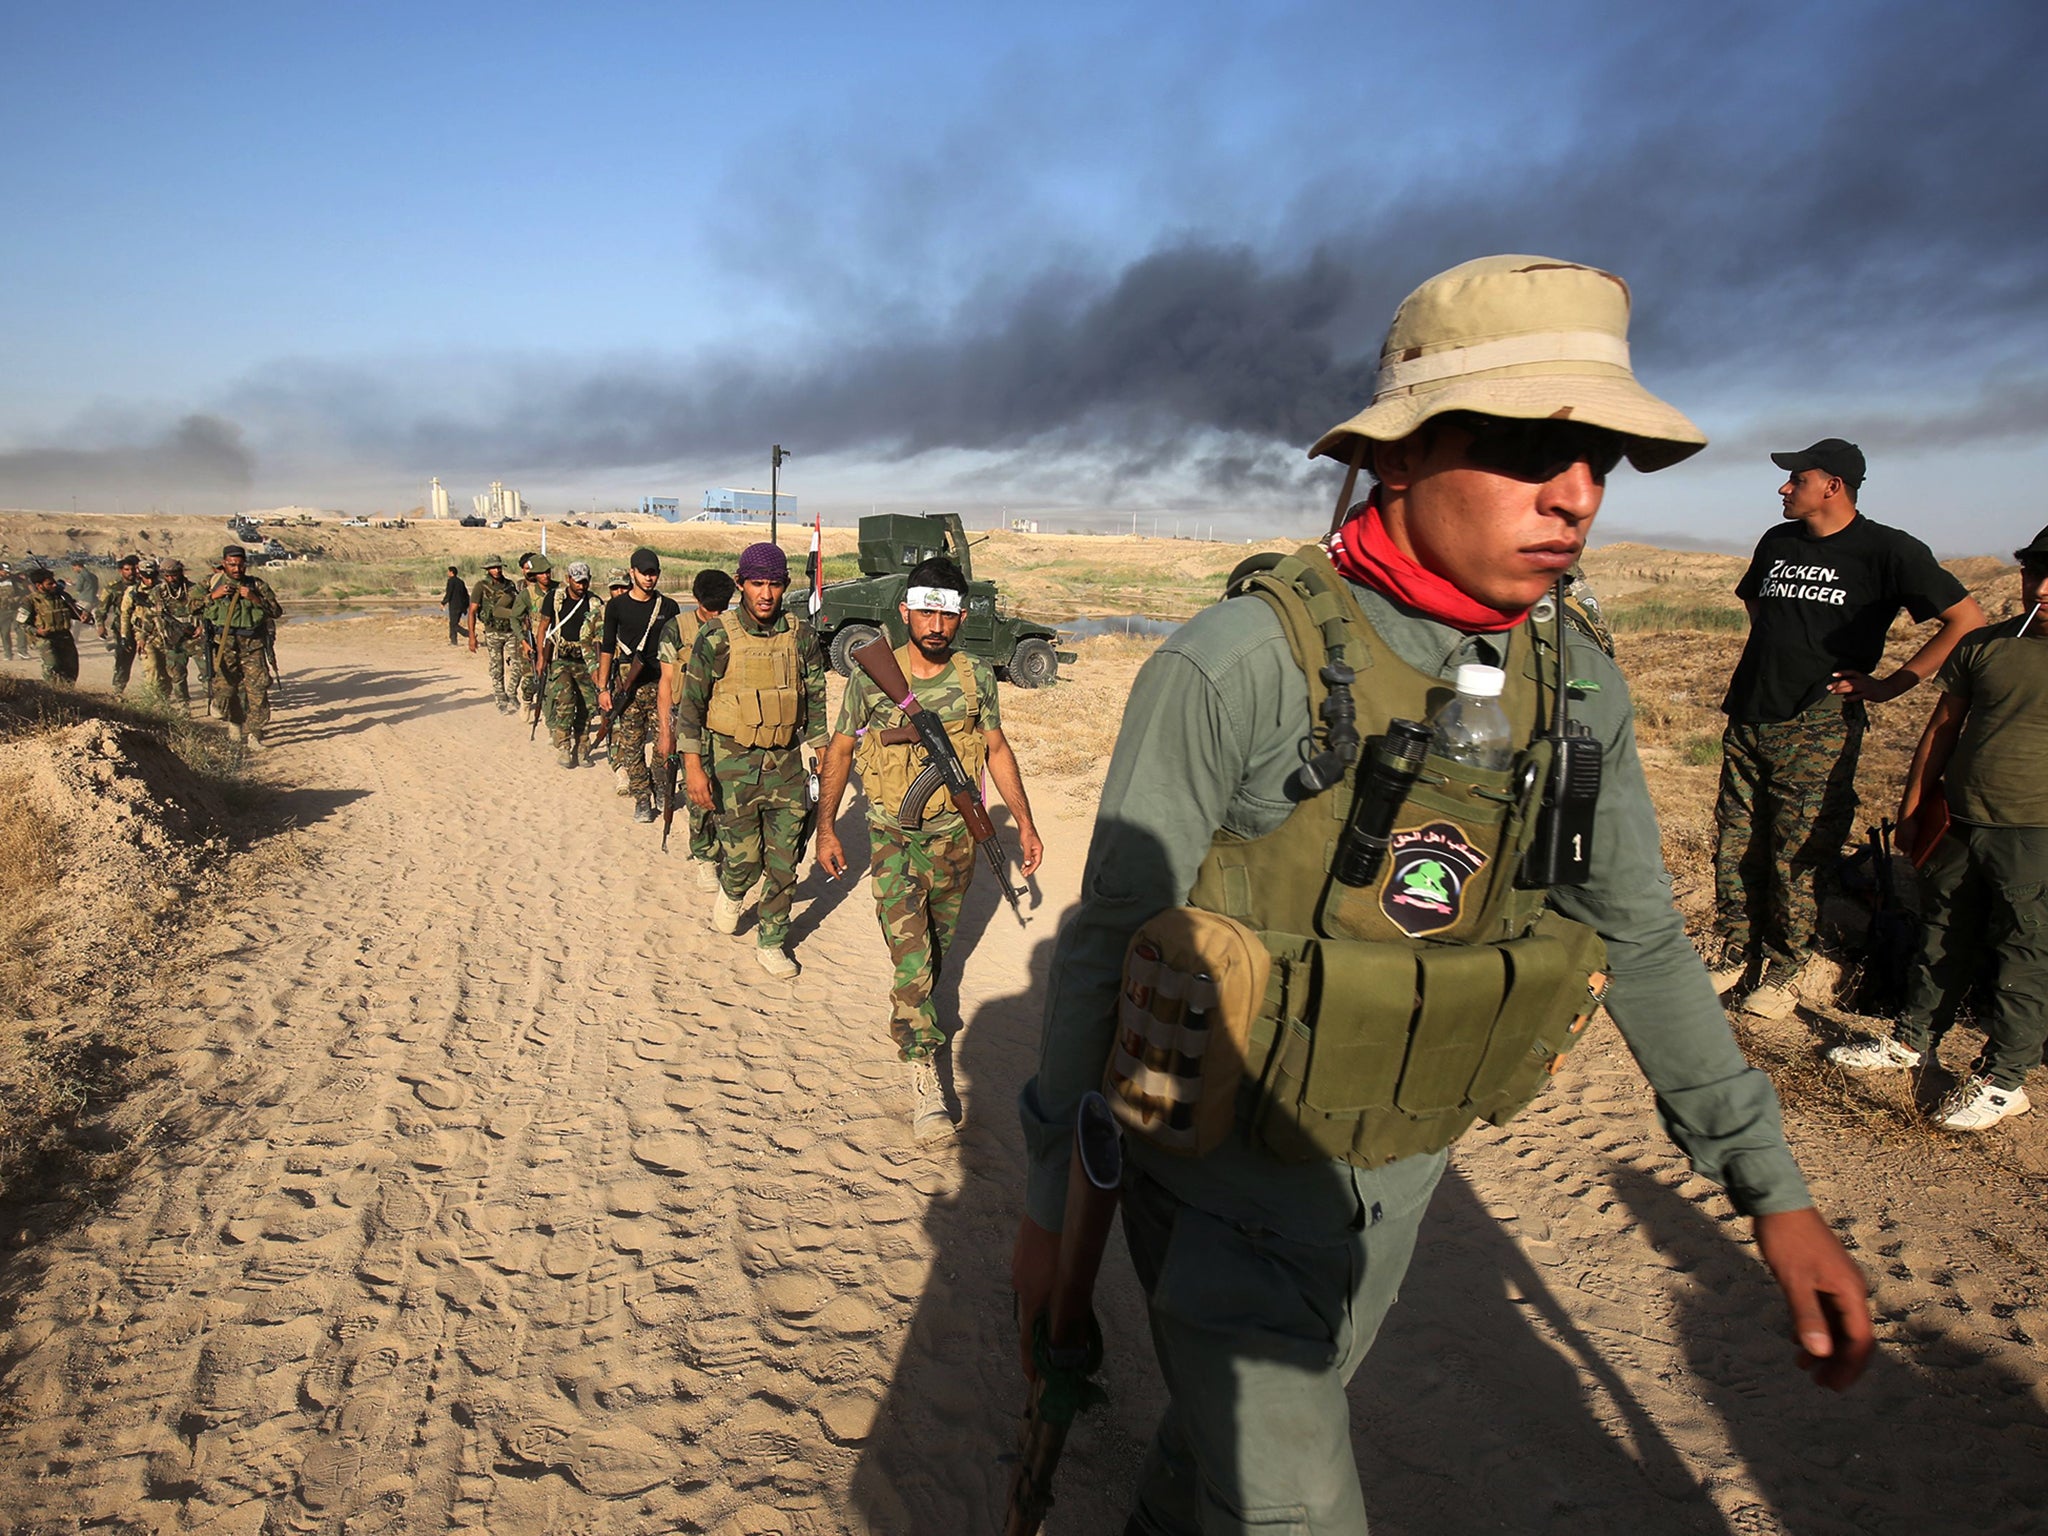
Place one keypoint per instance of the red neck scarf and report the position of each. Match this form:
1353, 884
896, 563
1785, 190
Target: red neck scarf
1363, 553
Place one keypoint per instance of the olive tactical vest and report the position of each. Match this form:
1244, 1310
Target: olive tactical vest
888, 770
1398, 1013
497, 600
760, 699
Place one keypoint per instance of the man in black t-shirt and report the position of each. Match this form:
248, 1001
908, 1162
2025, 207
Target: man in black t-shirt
1822, 591
632, 624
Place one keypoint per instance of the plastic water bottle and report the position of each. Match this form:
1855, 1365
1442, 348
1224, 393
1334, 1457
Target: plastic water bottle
1472, 728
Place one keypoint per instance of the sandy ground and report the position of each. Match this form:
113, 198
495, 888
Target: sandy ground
497, 1192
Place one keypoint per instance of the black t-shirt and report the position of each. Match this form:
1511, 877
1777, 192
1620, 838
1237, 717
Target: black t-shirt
1824, 606
626, 619
572, 619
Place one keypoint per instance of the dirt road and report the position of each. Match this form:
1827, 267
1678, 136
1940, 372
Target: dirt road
503, 1195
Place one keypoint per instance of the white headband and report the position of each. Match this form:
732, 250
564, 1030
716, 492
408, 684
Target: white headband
932, 600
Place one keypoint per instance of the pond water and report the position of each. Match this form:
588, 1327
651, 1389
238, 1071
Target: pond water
1118, 624
331, 615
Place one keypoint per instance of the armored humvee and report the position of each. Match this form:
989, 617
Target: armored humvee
1022, 652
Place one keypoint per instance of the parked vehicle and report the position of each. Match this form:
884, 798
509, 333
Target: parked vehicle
854, 612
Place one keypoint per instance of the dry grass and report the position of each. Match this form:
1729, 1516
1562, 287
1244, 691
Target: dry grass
1065, 732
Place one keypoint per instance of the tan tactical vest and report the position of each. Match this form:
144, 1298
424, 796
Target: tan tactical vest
760, 699
1399, 1013
887, 770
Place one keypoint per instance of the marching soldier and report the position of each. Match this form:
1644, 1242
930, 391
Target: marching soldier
179, 601
112, 625
631, 623
241, 608
712, 589
753, 694
14, 594
496, 609
921, 871
565, 630
142, 621
539, 586
48, 616
85, 589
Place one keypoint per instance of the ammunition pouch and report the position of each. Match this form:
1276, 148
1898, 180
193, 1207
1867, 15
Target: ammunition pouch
1374, 1050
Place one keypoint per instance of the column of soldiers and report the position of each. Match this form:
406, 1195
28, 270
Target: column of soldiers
728, 691
159, 625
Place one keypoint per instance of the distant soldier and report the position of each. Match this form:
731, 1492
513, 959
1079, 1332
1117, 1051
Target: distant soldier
142, 622
537, 587
112, 608
455, 598
85, 588
48, 616
713, 591
921, 871
496, 606
753, 696
14, 593
179, 601
631, 623
619, 583
241, 608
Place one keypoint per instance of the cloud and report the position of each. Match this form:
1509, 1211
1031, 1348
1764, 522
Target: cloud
200, 458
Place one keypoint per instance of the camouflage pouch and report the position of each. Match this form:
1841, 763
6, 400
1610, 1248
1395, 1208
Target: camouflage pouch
1193, 983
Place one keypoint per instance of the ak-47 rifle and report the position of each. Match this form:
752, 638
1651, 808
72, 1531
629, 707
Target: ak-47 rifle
622, 695
543, 658
672, 767
1066, 1343
942, 765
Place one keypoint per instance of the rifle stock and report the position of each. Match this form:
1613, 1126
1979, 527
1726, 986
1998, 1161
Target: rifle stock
942, 765
1066, 1343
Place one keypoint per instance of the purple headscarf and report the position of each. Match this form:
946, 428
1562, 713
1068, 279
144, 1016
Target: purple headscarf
763, 562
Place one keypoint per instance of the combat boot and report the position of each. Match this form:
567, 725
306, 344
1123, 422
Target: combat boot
643, 808
774, 959
566, 756
929, 1122
707, 874
725, 913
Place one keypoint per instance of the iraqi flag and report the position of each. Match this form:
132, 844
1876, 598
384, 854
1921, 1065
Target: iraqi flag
814, 567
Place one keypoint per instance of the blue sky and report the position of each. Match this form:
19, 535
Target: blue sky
1085, 261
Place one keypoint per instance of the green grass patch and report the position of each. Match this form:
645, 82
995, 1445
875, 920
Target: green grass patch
1656, 615
1701, 750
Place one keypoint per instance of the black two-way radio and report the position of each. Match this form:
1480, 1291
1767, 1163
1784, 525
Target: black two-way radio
1562, 852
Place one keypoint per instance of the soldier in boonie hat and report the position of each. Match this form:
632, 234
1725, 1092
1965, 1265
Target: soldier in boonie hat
619, 581
1505, 397
539, 565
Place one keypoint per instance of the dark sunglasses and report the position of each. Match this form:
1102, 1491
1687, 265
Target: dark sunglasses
1536, 451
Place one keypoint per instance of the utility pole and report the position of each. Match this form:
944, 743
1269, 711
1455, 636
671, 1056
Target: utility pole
774, 486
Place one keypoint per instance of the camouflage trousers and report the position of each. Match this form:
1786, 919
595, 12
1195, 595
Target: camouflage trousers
759, 794
920, 879
124, 663
1787, 803
703, 832
506, 664
153, 668
59, 655
631, 737
12, 636
241, 682
570, 697
176, 662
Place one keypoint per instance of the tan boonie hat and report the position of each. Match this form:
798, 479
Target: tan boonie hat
1525, 337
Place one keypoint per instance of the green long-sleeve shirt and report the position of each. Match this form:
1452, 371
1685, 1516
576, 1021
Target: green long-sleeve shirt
707, 664
1218, 721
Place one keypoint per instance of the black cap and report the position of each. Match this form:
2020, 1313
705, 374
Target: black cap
646, 560
2035, 553
1833, 455
129, 560
234, 549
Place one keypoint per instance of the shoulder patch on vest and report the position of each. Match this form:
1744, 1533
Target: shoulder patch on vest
1428, 869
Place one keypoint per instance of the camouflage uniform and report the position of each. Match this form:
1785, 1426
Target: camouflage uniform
241, 653
758, 792
114, 624
14, 595
178, 603
633, 730
672, 647
920, 877
1793, 785
569, 694
49, 617
501, 608
142, 620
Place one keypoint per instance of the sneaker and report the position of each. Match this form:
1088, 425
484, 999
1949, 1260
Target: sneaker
252, 741
1974, 1105
725, 913
643, 808
929, 1122
1776, 993
566, 756
774, 959
234, 732
707, 874
1727, 959
1874, 1053
624, 790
